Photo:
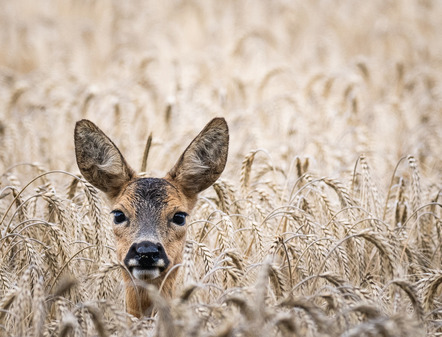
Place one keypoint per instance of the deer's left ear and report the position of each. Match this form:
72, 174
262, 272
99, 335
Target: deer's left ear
204, 160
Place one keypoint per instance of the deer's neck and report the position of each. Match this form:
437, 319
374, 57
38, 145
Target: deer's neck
138, 302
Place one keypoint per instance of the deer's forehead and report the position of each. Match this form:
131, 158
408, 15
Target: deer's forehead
152, 194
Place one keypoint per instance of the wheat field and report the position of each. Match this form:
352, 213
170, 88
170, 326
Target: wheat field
327, 219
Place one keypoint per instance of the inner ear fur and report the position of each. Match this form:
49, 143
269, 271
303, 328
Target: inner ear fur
99, 160
204, 159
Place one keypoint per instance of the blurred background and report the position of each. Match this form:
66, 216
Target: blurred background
327, 80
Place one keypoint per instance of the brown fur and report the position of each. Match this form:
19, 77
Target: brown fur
150, 203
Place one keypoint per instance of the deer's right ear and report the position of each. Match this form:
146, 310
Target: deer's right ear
99, 160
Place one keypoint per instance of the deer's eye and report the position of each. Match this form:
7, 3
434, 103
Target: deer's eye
119, 217
179, 218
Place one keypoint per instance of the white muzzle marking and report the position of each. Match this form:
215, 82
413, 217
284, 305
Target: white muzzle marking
146, 274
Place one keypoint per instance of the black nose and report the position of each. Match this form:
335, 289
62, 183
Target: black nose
146, 254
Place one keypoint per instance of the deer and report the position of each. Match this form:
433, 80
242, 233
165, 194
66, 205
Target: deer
150, 215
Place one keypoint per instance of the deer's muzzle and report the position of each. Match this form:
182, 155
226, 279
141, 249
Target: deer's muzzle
146, 260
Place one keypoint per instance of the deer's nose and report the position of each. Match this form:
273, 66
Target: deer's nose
146, 255
148, 252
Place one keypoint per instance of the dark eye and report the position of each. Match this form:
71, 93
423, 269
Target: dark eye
179, 218
119, 217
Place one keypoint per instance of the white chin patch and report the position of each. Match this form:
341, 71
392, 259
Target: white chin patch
143, 274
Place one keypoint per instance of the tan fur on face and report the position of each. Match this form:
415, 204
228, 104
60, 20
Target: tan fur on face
150, 222
149, 204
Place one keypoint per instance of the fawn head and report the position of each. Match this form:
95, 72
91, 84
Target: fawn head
149, 214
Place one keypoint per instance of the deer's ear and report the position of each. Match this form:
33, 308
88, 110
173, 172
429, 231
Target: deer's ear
204, 160
99, 160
